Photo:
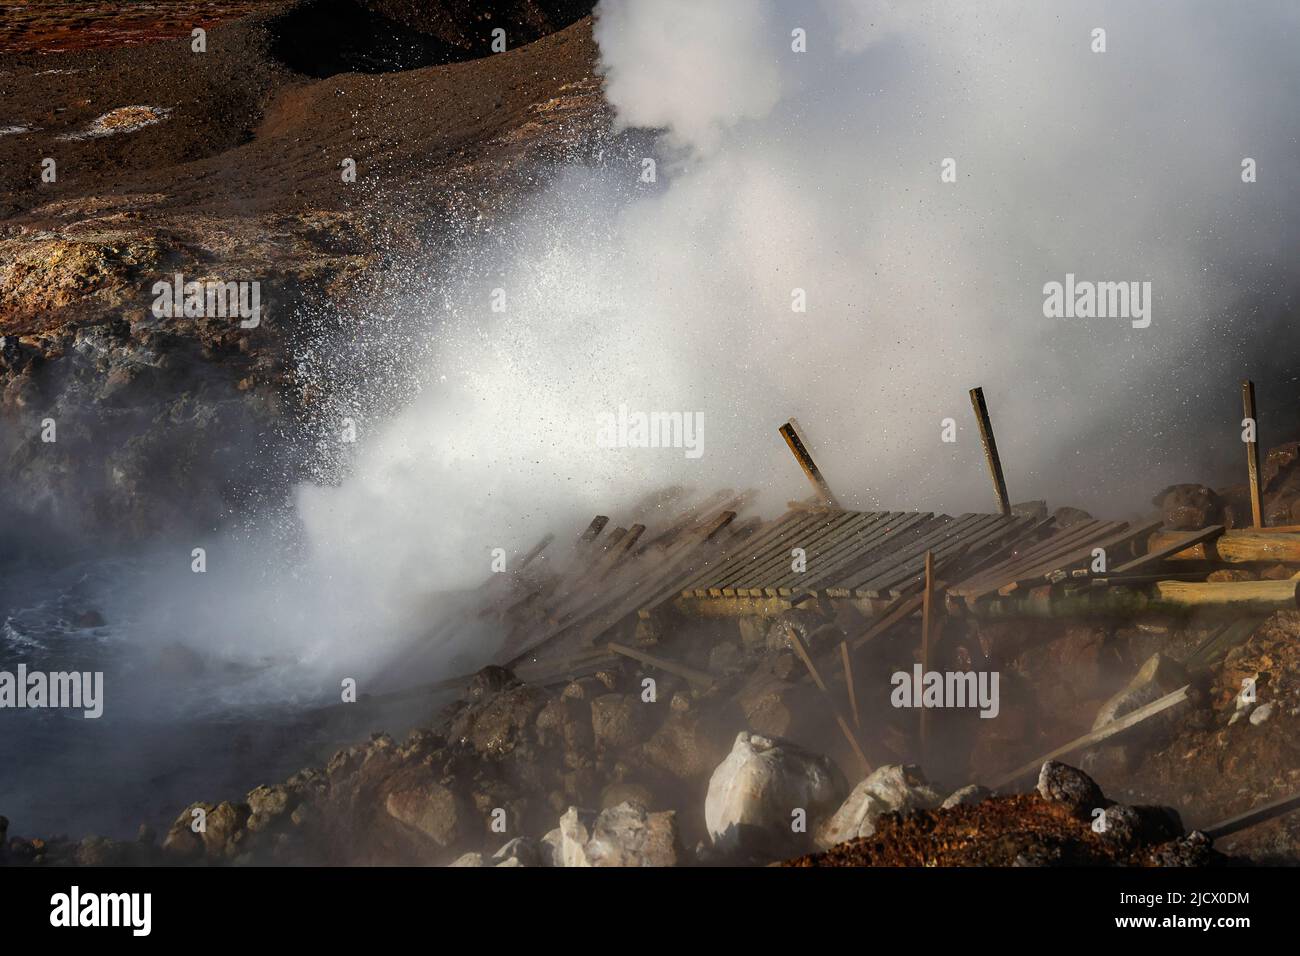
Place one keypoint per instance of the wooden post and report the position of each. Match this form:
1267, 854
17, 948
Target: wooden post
801, 649
927, 625
847, 658
990, 449
800, 452
1252, 454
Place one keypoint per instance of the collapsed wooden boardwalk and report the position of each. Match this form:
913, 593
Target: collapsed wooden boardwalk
708, 561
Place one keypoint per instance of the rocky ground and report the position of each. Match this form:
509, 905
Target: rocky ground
226, 165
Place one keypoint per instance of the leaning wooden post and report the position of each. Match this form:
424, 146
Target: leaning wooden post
990, 449
1252, 453
809, 466
847, 657
927, 625
801, 649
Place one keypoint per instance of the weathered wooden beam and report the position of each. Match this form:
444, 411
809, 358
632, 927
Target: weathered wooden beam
699, 678
1241, 821
594, 529
1236, 547
801, 650
1169, 549
990, 450
1173, 598
800, 452
1252, 454
537, 549
1095, 737
1246, 596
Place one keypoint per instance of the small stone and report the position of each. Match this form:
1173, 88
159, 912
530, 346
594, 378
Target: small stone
1261, 713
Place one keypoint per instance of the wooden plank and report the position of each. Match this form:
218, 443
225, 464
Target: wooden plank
1169, 549
1077, 554
1237, 547
826, 551
699, 678
991, 456
1079, 565
750, 546
741, 573
1253, 472
1038, 554
801, 454
878, 539
927, 643
1269, 811
1095, 737
909, 547
594, 529
814, 540
1222, 640
958, 537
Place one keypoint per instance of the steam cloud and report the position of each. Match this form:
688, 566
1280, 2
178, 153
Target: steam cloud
820, 171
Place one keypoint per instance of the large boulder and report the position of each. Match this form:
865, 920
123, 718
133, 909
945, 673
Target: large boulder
893, 788
755, 793
625, 835
685, 746
1188, 507
430, 809
618, 721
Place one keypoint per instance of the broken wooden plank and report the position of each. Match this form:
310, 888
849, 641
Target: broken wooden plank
1167, 550
1237, 547
594, 529
990, 450
1269, 811
1251, 422
800, 452
1095, 737
698, 678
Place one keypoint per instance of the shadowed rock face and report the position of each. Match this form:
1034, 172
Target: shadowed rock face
324, 37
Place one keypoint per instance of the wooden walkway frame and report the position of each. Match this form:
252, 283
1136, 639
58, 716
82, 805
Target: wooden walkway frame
990, 450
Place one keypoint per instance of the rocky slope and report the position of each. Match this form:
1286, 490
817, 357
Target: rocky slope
226, 165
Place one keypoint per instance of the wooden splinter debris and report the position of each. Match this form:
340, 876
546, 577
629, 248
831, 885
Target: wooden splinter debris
990, 450
1252, 453
800, 452
801, 649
